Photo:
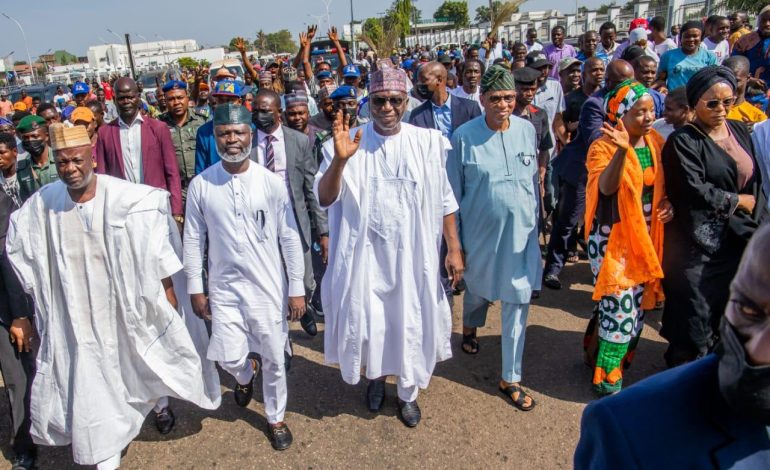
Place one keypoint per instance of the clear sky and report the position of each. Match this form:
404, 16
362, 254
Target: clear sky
75, 25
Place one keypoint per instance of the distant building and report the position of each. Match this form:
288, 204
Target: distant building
115, 56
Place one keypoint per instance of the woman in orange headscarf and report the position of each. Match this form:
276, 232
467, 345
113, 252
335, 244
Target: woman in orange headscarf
625, 234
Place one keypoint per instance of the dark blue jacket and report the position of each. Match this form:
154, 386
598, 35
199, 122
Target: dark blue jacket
205, 147
674, 420
463, 110
570, 164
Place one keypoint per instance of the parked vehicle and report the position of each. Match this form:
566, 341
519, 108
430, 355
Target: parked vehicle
324, 50
44, 92
233, 65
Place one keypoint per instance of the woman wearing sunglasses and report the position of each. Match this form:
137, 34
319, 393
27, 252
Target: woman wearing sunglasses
626, 208
714, 184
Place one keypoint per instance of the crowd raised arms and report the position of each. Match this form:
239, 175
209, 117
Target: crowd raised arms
153, 236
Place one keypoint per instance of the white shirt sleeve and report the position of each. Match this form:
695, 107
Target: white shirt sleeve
291, 246
195, 233
169, 263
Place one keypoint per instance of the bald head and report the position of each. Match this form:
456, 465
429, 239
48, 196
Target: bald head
749, 308
617, 72
433, 77
434, 69
126, 84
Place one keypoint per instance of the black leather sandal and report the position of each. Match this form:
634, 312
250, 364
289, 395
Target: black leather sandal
519, 402
471, 343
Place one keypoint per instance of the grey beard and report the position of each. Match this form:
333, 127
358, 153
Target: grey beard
235, 158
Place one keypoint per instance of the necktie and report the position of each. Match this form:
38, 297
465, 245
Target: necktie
269, 153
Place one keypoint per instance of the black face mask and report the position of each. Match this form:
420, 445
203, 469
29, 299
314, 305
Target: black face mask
422, 91
745, 388
264, 121
34, 147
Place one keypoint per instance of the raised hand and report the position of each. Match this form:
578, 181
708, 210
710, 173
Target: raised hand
303, 40
333, 34
311, 30
240, 44
344, 147
617, 135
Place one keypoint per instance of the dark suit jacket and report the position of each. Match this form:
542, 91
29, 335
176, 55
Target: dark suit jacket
674, 420
570, 164
301, 168
463, 110
14, 302
159, 166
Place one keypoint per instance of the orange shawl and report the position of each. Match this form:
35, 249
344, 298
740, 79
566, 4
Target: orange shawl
633, 255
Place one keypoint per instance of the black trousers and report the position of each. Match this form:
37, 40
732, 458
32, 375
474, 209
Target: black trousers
571, 210
18, 370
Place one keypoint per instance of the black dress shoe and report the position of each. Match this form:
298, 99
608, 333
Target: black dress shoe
243, 393
280, 436
25, 461
316, 303
409, 412
308, 323
552, 281
165, 420
375, 394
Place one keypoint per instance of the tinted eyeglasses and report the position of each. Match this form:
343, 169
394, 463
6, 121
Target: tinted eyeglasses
714, 104
498, 98
395, 101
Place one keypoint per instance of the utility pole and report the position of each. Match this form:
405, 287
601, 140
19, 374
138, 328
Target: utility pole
352, 33
130, 56
26, 46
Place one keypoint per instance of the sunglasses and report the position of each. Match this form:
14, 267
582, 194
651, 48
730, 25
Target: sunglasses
498, 98
395, 101
714, 104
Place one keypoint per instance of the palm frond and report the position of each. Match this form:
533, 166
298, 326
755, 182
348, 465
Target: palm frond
504, 13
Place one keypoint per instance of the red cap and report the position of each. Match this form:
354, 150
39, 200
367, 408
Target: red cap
639, 23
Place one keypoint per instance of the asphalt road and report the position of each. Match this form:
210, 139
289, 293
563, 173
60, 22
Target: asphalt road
466, 421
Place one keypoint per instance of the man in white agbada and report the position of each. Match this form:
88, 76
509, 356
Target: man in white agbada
96, 255
244, 211
389, 202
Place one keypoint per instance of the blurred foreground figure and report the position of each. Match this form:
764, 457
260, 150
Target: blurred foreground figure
711, 413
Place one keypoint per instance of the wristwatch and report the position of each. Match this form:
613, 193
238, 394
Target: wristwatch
179, 219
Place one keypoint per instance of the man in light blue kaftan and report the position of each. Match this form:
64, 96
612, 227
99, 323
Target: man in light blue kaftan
492, 168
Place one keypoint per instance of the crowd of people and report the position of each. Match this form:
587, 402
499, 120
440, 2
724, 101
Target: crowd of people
148, 237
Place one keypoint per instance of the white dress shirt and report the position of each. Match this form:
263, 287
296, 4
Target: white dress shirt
279, 153
131, 146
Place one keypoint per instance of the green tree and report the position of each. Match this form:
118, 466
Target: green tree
751, 6
20, 62
482, 12
261, 42
187, 62
454, 11
373, 28
605, 8
62, 57
280, 41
